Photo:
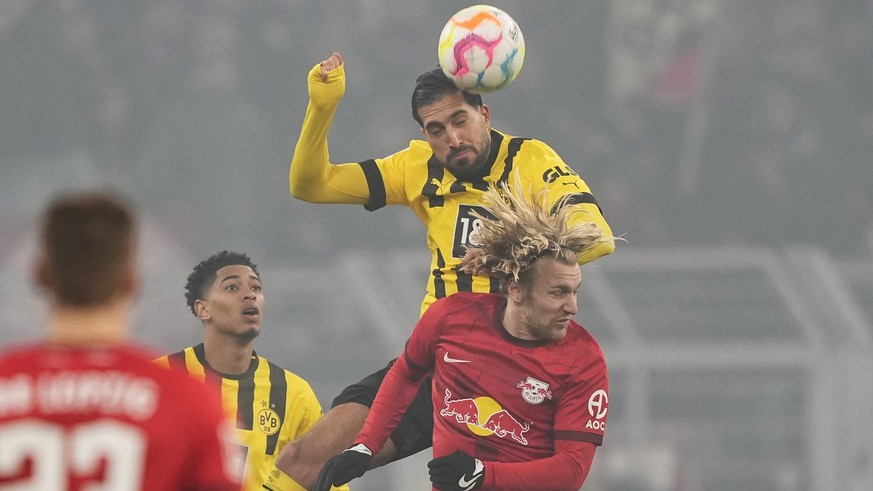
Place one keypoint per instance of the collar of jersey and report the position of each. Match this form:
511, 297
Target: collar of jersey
200, 352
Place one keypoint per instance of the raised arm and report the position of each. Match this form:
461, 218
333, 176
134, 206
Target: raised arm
312, 176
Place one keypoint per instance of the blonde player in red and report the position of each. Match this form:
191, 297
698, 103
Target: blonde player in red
520, 390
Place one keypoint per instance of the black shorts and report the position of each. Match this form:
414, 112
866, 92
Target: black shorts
414, 433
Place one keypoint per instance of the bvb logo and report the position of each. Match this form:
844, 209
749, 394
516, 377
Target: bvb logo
268, 421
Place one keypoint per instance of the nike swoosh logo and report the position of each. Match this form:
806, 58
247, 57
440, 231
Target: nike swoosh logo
448, 359
465, 483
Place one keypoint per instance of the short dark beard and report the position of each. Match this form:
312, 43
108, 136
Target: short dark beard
475, 171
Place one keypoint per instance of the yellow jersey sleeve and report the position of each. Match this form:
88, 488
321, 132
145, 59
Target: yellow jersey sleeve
562, 182
312, 177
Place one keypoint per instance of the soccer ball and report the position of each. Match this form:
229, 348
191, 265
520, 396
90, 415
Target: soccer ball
481, 49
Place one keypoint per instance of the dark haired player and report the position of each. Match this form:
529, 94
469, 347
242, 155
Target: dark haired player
271, 406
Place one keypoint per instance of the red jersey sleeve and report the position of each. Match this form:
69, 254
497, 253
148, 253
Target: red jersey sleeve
403, 379
582, 410
567, 469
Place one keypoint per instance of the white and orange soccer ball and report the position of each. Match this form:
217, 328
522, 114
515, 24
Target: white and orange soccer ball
481, 49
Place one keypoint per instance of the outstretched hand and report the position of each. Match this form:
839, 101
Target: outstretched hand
329, 64
341, 468
458, 471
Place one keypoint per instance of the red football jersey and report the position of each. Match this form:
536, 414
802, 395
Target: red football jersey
499, 398
107, 419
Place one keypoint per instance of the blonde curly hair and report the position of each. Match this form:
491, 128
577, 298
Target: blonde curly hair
521, 229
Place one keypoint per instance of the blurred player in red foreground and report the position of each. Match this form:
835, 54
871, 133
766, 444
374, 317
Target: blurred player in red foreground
520, 390
82, 408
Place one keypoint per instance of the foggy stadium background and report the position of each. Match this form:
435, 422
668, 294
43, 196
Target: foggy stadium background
728, 142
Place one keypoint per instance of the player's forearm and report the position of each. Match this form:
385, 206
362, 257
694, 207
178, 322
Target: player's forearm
562, 471
312, 177
309, 164
602, 249
396, 393
592, 214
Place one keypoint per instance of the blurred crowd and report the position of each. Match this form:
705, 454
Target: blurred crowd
743, 122
694, 121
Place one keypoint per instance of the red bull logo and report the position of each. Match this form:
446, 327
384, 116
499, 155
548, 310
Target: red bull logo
463, 410
472, 412
503, 424
534, 391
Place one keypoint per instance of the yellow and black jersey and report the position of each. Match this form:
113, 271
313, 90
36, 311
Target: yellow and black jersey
414, 177
271, 406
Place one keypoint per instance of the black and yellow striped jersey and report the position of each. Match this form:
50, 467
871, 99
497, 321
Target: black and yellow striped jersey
271, 407
414, 177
